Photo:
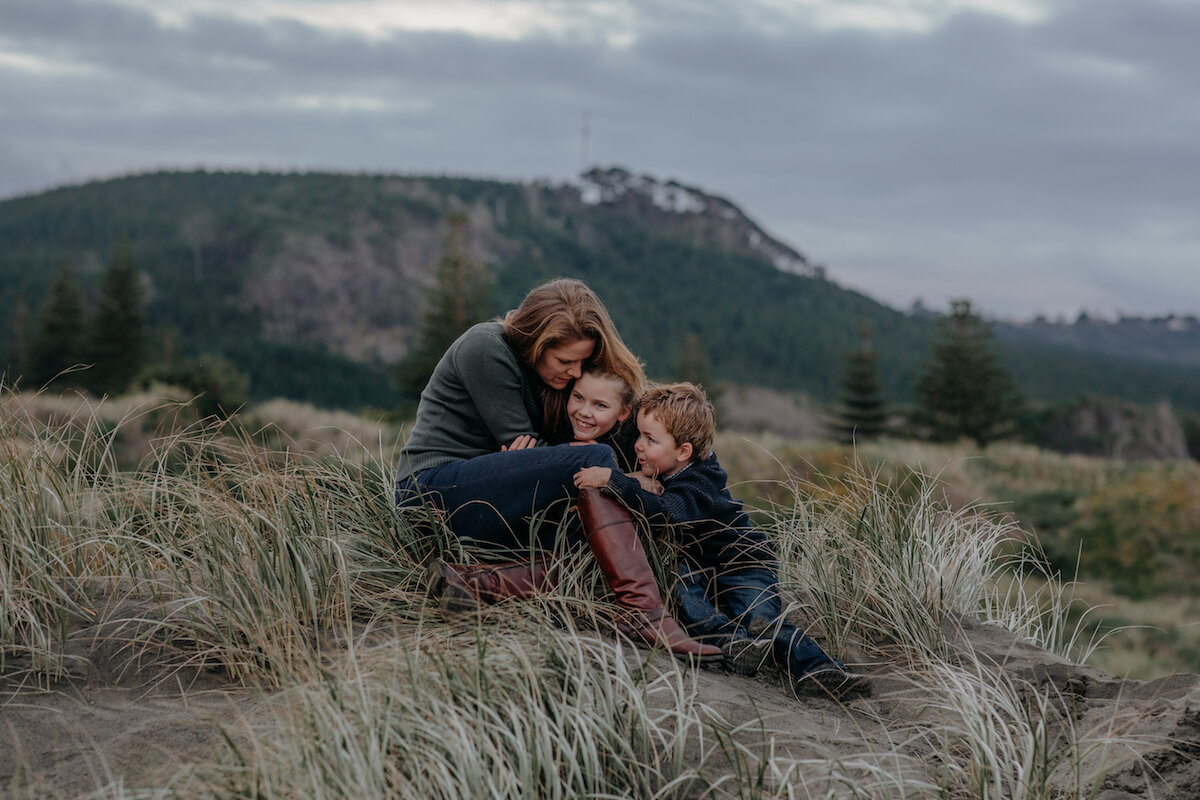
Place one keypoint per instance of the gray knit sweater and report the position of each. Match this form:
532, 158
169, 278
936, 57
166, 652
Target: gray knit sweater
480, 396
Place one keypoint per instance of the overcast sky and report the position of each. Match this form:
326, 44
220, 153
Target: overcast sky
1035, 156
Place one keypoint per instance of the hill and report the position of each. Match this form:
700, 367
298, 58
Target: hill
1169, 340
313, 283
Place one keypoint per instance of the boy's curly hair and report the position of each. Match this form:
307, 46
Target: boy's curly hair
684, 410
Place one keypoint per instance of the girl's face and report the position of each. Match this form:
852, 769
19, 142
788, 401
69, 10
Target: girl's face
559, 365
595, 406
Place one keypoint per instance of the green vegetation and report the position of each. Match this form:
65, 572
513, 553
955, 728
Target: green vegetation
116, 345
459, 297
58, 345
288, 567
862, 411
963, 390
299, 279
1128, 531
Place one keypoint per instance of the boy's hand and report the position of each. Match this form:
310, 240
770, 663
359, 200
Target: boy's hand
592, 477
522, 442
651, 485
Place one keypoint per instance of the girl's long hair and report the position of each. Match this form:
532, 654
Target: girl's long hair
560, 312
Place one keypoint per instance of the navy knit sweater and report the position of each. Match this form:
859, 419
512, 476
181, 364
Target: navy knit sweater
714, 530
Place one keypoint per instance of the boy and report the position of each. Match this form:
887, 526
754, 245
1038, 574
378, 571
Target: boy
675, 425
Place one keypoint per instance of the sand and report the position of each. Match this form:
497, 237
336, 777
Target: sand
112, 721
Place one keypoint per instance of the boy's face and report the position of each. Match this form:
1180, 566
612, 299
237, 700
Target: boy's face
658, 455
595, 406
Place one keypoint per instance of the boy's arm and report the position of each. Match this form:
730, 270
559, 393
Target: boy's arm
675, 505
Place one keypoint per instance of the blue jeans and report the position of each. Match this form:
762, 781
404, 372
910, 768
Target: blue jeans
492, 499
744, 603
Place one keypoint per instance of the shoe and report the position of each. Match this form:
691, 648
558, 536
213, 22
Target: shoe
833, 682
746, 656
613, 538
464, 589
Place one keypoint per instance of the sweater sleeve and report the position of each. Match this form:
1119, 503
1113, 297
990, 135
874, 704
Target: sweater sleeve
672, 506
494, 384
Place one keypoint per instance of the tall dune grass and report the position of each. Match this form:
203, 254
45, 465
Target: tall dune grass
50, 477
519, 710
888, 562
286, 567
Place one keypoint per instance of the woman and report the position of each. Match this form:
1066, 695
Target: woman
501, 385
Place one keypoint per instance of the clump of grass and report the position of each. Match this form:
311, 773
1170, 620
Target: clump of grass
49, 481
996, 737
514, 710
247, 546
889, 563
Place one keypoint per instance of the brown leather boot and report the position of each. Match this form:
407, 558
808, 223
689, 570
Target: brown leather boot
613, 538
464, 589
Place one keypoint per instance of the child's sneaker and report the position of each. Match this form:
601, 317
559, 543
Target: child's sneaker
833, 681
746, 656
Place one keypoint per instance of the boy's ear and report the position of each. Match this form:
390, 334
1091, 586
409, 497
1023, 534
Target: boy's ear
683, 453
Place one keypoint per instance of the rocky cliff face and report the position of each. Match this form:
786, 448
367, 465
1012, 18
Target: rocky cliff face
363, 294
693, 214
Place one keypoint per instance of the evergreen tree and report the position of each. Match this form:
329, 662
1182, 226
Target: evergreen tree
964, 390
693, 365
459, 297
58, 342
118, 327
18, 348
863, 413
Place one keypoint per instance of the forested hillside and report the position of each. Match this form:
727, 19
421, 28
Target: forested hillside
314, 283
1168, 339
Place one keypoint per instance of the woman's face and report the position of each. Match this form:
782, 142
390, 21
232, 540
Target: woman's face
559, 365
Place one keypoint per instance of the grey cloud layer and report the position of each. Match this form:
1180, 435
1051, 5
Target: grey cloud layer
1073, 137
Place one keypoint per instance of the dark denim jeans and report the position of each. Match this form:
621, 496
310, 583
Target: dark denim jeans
492, 499
744, 603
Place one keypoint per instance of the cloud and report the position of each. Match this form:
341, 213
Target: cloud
943, 140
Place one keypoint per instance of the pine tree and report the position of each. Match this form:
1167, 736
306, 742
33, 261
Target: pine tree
58, 342
18, 337
964, 390
863, 413
692, 364
459, 297
118, 327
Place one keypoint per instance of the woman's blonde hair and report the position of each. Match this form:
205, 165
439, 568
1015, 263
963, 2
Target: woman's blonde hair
563, 311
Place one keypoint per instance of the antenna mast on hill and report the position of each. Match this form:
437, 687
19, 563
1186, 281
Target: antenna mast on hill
586, 133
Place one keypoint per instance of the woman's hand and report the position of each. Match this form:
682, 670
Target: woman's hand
592, 477
522, 442
651, 485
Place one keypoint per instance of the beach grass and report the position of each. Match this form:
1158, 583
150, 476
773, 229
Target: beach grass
279, 562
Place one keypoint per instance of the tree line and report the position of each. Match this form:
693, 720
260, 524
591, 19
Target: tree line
962, 391
102, 347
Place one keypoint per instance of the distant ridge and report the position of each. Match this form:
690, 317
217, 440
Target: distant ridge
314, 282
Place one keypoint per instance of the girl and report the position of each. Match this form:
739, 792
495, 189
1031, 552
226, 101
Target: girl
601, 409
